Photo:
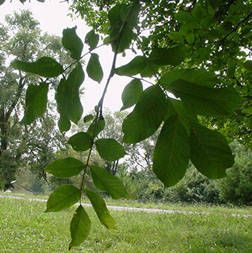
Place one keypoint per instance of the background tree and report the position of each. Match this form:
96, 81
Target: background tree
20, 145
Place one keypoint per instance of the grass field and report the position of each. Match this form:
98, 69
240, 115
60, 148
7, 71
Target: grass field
26, 229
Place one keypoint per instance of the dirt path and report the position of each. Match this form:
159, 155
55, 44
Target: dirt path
133, 209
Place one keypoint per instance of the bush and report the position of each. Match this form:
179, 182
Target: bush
193, 188
236, 188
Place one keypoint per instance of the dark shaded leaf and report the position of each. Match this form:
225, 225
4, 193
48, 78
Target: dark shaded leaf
35, 102
80, 141
248, 65
45, 66
205, 100
131, 93
92, 39
62, 100
80, 227
72, 42
198, 76
171, 154
139, 65
123, 18
109, 149
68, 99
74, 80
210, 152
63, 197
101, 209
167, 56
94, 68
145, 119
106, 182
63, 168
88, 118
96, 127
186, 116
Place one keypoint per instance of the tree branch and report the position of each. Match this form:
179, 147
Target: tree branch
21, 85
236, 27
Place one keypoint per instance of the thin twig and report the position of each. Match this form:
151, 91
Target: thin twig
85, 54
142, 79
100, 103
236, 27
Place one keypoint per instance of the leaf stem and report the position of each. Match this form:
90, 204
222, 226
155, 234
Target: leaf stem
142, 79
85, 54
100, 103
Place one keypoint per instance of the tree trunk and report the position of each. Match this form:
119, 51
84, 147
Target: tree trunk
3, 131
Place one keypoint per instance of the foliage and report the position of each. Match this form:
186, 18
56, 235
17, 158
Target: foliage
216, 35
237, 186
192, 52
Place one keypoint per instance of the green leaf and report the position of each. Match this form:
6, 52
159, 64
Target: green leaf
80, 141
80, 227
190, 38
2, 1
123, 19
171, 154
45, 66
61, 98
74, 81
210, 152
145, 119
94, 68
109, 149
186, 116
167, 56
96, 127
68, 100
106, 182
248, 65
88, 118
92, 39
101, 209
72, 42
35, 102
139, 65
205, 100
67, 167
176, 37
131, 93
63, 197
198, 76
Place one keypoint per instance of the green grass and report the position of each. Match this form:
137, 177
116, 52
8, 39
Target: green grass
26, 229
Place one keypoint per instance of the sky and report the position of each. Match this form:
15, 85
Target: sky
53, 18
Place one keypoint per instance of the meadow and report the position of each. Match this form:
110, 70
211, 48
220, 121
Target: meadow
25, 228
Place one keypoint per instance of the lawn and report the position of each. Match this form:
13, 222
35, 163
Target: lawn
26, 229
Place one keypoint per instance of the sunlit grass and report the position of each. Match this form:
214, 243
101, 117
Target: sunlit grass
26, 229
